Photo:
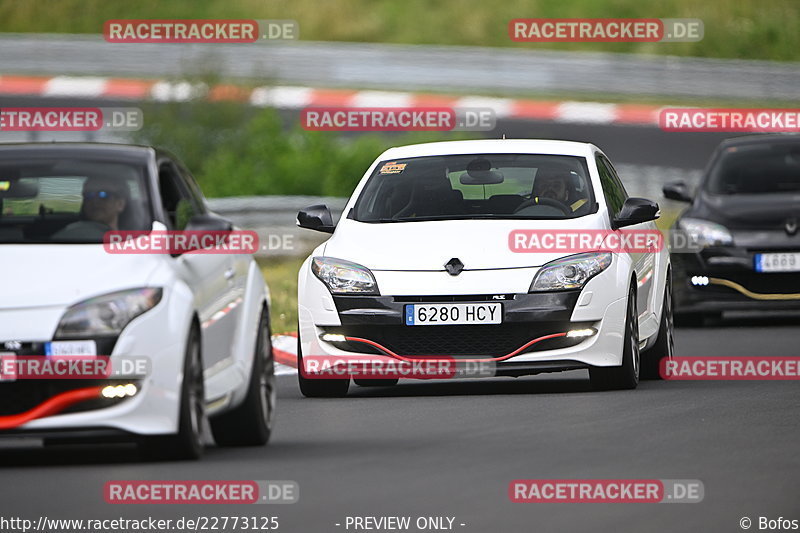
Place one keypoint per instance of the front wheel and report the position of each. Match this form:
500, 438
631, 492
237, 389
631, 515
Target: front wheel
250, 424
188, 442
665, 342
318, 388
625, 376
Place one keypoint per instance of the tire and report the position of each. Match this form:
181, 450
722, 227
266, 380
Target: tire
318, 388
625, 376
375, 382
665, 342
250, 424
187, 443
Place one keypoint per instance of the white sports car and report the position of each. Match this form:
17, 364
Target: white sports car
200, 321
422, 266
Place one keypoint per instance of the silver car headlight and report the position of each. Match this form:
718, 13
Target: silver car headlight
706, 233
107, 314
344, 277
570, 272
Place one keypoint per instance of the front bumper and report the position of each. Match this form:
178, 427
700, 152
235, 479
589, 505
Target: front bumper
152, 411
543, 317
733, 283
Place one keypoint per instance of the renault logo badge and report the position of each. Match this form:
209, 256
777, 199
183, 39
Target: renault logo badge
791, 226
454, 266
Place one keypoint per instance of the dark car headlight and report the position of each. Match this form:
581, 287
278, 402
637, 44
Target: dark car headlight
705, 232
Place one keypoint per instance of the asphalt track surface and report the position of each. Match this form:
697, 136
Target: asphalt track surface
452, 448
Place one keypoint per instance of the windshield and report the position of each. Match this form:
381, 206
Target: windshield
63, 200
757, 169
496, 186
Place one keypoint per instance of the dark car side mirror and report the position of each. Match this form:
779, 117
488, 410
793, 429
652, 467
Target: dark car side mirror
677, 190
636, 211
316, 217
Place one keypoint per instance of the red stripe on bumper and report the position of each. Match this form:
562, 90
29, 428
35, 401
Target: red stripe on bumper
51, 406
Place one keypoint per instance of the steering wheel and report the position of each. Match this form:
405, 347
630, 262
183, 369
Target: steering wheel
544, 201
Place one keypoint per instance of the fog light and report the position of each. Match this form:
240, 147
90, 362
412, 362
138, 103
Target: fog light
576, 333
699, 281
119, 391
333, 337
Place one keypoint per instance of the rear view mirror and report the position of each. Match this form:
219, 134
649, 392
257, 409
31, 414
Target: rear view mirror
677, 190
479, 172
316, 217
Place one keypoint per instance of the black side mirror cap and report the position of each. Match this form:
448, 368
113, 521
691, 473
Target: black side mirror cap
677, 190
316, 217
208, 223
635, 211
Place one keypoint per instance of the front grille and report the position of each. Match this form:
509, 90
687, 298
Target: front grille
476, 341
19, 396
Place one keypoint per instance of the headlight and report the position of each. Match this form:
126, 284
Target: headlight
107, 314
706, 233
570, 272
344, 277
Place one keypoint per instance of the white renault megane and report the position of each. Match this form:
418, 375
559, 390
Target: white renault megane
200, 320
431, 261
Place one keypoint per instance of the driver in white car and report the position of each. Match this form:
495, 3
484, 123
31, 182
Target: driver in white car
557, 185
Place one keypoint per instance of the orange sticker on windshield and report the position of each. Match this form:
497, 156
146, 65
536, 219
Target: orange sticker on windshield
393, 168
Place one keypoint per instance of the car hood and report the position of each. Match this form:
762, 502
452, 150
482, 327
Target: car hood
479, 244
750, 211
45, 275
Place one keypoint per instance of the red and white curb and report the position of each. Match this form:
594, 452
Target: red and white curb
284, 348
291, 97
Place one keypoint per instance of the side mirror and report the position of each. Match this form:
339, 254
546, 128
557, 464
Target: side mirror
677, 190
208, 223
204, 223
316, 217
636, 211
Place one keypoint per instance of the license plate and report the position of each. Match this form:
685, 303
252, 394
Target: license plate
70, 348
453, 314
782, 262
7, 360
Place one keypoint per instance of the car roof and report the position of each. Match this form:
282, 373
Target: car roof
492, 146
771, 138
128, 151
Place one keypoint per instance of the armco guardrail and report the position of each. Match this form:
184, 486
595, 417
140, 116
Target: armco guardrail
411, 67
